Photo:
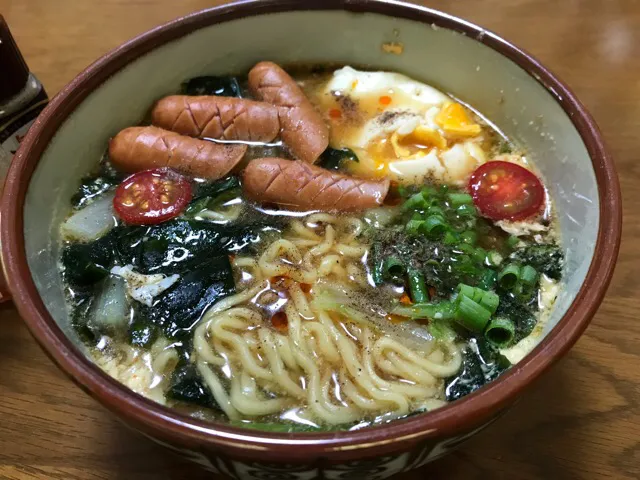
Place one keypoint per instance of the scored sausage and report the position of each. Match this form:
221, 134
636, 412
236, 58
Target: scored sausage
141, 148
303, 129
301, 186
225, 118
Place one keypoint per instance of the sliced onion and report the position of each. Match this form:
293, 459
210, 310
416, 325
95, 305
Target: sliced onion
335, 299
92, 222
381, 216
110, 312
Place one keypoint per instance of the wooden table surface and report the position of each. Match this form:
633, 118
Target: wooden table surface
581, 421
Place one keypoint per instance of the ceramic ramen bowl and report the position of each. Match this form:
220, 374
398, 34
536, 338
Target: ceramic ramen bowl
511, 88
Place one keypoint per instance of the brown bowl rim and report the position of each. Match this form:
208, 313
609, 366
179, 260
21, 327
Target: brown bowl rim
450, 420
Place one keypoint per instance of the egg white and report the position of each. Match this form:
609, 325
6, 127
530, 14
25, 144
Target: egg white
411, 104
412, 95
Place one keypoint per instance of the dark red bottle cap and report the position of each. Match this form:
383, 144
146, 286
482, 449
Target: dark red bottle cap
14, 72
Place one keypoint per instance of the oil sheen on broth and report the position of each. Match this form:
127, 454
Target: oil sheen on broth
330, 252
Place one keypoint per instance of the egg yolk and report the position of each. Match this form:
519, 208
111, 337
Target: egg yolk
453, 119
418, 141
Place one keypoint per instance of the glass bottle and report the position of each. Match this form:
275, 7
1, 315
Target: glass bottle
22, 98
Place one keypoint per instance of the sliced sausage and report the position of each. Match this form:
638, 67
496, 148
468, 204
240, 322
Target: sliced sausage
217, 117
303, 129
140, 148
301, 186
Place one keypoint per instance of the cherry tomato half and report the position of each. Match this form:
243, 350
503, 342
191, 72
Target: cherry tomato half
152, 196
506, 191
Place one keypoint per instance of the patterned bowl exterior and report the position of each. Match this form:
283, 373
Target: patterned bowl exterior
377, 467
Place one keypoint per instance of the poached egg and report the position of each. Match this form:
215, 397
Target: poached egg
400, 128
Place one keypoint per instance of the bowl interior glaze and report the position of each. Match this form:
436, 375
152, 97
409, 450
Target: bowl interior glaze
459, 64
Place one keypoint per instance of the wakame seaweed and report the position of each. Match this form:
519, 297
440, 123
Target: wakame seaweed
170, 247
545, 258
212, 195
521, 313
481, 363
187, 386
90, 188
215, 188
177, 245
335, 158
212, 85
81, 299
142, 332
198, 251
88, 263
177, 309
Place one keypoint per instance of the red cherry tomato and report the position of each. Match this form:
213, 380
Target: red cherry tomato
152, 196
506, 191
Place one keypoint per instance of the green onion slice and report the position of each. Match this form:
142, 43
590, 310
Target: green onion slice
471, 315
417, 286
509, 276
500, 332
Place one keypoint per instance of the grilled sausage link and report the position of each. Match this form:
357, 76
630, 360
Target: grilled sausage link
141, 148
217, 117
303, 129
300, 186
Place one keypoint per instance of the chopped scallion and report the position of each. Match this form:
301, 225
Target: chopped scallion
509, 276
500, 332
435, 210
466, 211
488, 281
414, 226
392, 268
417, 286
457, 199
428, 192
490, 301
480, 255
466, 248
487, 299
528, 275
450, 238
434, 226
466, 290
376, 259
415, 202
469, 237
471, 315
